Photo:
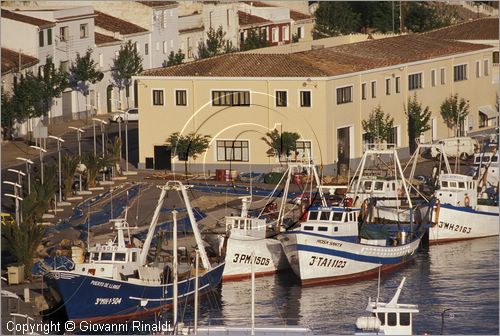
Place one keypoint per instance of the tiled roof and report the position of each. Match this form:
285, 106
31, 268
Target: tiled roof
191, 30
103, 39
10, 60
158, 3
249, 19
26, 19
115, 24
297, 16
332, 61
258, 4
480, 29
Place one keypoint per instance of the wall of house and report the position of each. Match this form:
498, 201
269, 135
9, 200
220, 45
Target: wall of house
306, 26
189, 43
10, 32
222, 14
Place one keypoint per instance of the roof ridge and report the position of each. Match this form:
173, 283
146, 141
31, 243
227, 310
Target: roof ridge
456, 25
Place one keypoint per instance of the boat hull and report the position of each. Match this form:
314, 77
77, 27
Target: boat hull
89, 298
318, 259
269, 257
461, 223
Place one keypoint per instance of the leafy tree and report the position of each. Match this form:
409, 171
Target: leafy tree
255, 39
454, 111
188, 146
84, 72
175, 59
335, 18
54, 81
68, 168
8, 115
418, 120
128, 63
28, 98
378, 126
281, 144
215, 44
94, 164
376, 15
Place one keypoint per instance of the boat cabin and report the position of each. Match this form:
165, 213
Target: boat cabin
378, 188
457, 190
249, 226
487, 158
333, 221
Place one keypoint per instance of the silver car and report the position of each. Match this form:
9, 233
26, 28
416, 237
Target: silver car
132, 114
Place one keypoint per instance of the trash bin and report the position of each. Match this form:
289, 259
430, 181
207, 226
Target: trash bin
15, 274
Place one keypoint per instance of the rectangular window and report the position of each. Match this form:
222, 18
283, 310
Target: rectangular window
49, 36
374, 89
300, 32
433, 77
393, 136
146, 49
84, 30
275, 35
64, 33
286, 33
460, 72
387, 86
230, 98
281, 98
165, 47
303, 152
181, 97
363, 91
64, 66
157, 97
415, 81
404, 319
101, 60
305, 98
495, 58
344, 95
486, 67
232, 150
391, 319
40, 38
443, 76
164, 19
398, 84
478, 69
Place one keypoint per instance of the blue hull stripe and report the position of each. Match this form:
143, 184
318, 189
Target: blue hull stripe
352, 256
470, 210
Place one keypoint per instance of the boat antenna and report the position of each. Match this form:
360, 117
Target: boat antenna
253, 293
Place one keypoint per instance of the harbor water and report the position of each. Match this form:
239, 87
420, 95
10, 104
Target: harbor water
455, 286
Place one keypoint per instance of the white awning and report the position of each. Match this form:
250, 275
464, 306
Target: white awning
488, 111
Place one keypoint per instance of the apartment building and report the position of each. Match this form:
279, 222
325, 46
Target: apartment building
324, 95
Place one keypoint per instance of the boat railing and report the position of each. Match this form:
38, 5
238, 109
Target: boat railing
379, 146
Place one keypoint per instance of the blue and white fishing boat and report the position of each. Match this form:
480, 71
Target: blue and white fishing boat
118, 283
336, 243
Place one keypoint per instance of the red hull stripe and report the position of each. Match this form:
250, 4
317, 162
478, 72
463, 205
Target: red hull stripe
243, 276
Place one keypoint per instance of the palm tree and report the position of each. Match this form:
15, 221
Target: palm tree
114, 149
94, 164
68, 166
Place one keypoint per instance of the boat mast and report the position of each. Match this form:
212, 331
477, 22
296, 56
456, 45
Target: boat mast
151, 232
395, 298
174, 266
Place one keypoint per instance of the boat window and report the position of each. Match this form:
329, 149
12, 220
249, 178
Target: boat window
325, 215
322, 228
313, 215
393, 186
120, 256
367, 185
444, 184
379, 185
350, 216
336, 229
453, 184
494, 159
404, 319
337, 216
242, 224
391, 319
94, 256
134, 256
461, 185
106, 256
381, 317
308, 228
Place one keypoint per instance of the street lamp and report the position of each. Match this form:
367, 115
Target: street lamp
102, 123
126, 138
28, 162
59, 144
79, 131
16, 197
19, 175
42, 150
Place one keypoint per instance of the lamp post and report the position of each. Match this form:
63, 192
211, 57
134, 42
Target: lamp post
126, 138
20, 174
59, 144
79, 131
16, 197
28, 163
42, 150
102, 123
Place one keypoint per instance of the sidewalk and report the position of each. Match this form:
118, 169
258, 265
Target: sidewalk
18, 148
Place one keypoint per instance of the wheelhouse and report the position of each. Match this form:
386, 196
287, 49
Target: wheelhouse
333, 221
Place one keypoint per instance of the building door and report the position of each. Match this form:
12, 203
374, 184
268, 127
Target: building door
343, 150
162, 158
109, 98
67, 104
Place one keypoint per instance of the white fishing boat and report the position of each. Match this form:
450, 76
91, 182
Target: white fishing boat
338, 243
390, 318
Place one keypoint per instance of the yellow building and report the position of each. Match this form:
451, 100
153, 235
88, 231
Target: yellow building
321, 94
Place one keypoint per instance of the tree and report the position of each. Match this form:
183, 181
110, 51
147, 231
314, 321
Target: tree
94, 164
54, 81
128, 63
454, 111
28, 98
175, 59
113, 149
8, 115
68, 168
418, 120
215, 44
378, 126
188, 146
335, 18
376, 15
83, 73
255, 40
281, 144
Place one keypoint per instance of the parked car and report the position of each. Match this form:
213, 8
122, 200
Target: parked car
463, 147
132, 114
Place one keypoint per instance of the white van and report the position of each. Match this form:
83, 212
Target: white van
463, 147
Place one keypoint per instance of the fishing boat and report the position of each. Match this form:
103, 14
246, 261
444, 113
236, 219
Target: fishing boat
117, 282
390, 318
339, 243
